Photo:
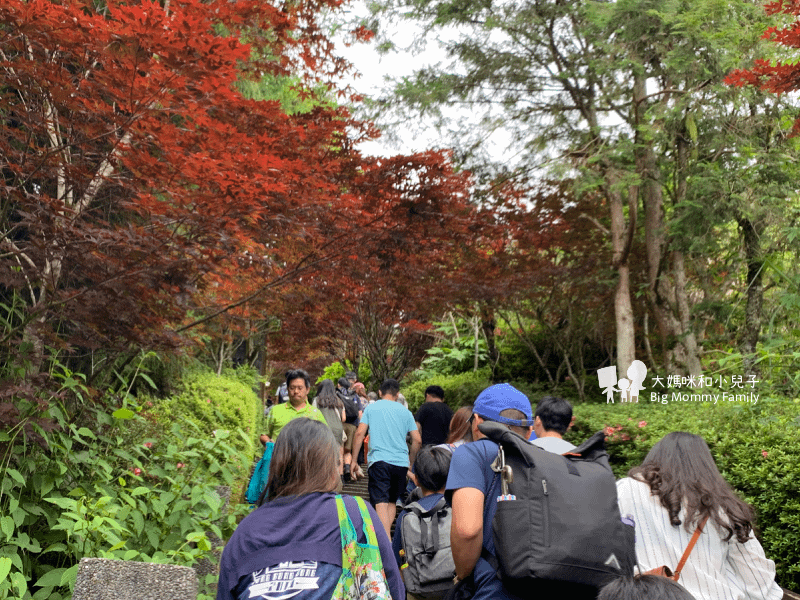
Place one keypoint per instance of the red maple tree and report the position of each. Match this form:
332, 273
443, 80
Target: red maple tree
146, 196
778, 77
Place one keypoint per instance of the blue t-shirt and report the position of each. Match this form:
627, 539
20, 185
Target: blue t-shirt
470, 467
388, 422
292, 548
426, 502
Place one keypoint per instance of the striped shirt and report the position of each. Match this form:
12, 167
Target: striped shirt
715, 570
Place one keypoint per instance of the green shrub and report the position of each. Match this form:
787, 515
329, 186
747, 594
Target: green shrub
756, 447
214, 402
89, 485
337, 370
458, 389
464, 388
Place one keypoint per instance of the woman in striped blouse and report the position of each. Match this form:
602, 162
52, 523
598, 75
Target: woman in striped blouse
674, 490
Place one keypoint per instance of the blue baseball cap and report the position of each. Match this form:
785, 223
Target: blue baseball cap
502, 396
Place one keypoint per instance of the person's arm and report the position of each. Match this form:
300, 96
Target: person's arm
466, 530
361, 433
416, 442
270, 426
397, 540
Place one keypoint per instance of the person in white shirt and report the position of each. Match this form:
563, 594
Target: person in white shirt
674, 490
551, 421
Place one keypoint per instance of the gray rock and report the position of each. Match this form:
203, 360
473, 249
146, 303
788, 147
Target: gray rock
105, 579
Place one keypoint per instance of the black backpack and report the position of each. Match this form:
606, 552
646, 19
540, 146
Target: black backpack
350, 407
430, 569
557, 518
282, 394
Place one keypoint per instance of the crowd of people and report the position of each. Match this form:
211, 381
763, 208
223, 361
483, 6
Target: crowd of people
448, 473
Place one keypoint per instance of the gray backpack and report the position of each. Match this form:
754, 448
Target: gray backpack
426, 542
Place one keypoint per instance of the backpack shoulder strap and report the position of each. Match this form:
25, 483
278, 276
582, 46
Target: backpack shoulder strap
429, 534
417, 509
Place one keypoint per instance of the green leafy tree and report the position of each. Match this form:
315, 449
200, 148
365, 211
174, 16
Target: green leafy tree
614, 95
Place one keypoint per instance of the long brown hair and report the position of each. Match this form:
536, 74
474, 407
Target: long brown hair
681, 471
305, 460
460, 428
326, 395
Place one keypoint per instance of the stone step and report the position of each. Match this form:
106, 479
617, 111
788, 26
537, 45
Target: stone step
359, 488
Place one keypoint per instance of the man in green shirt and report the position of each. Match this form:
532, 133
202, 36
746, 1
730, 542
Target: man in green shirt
298, 384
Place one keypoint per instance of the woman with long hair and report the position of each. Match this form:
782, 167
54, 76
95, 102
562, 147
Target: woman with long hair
675, 491
332, 408
305, 541
460, 427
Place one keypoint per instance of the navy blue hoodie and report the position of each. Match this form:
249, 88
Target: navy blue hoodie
292, 548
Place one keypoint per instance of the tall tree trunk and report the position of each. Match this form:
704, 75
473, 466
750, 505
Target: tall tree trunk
488, 325
623, 310
751, 233
691, 360
653, 203
677, 343
692, 357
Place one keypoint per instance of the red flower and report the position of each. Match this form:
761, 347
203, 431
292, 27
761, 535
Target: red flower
764, 453
137, 471
180, 465
148, 444
642, 423
609, 430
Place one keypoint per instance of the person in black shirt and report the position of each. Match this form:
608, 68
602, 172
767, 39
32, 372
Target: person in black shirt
433, 417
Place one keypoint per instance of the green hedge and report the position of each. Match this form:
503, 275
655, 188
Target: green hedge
757, 449
104, 481
458, 389
218, 402
463, 388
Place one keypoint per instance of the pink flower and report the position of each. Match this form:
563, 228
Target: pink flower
208, 401
618, 427
180, 465
626, 437
609, 430
148, 444
764, 453
642, 423
137, 471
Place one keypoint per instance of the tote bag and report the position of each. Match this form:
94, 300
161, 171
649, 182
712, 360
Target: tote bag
362, 577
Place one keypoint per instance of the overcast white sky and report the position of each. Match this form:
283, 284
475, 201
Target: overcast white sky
374, 67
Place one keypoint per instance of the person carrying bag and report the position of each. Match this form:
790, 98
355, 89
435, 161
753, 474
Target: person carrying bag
305, 541
678, 500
